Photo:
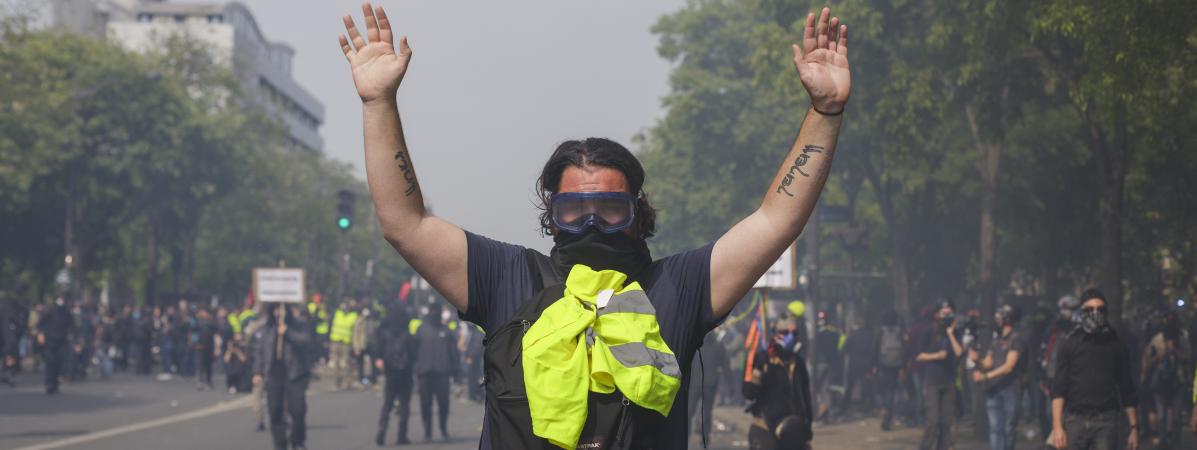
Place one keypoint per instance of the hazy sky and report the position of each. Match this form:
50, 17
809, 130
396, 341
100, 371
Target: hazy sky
493, 87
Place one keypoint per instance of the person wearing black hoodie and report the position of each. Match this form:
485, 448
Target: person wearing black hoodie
281, 362
397, 352
55, 330
436, 362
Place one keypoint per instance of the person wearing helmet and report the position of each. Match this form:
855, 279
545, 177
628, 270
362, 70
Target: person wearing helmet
999, 374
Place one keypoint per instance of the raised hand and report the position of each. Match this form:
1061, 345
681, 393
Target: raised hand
377, 69
822, 62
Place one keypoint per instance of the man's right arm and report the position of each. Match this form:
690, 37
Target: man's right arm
1059, 436
434, 247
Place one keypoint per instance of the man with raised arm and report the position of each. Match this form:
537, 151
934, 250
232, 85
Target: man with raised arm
599, 217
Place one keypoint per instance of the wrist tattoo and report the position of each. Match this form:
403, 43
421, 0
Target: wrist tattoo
409, 175
799, 162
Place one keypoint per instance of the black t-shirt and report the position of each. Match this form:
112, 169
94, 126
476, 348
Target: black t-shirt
679, 288
941, 372
1093, 373
1002, 346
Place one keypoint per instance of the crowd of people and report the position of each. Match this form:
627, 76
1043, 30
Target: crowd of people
1060, 375
359, 342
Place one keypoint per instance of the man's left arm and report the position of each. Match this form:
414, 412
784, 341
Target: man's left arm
743, 254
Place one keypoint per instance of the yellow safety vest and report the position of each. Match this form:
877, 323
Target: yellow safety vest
235, 323
342, 326
317, 312
413, 326
599, 337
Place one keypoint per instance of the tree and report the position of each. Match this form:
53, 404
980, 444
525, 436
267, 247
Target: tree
1118, 71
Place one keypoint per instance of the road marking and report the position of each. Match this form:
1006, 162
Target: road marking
242, 402
214, 409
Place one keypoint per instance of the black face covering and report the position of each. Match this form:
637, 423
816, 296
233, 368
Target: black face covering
1094, 322
601, 251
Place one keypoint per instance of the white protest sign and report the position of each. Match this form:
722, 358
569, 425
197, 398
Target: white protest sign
278, 285
781, 275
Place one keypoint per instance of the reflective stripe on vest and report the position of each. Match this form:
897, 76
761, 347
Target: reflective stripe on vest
342, 326
600, 337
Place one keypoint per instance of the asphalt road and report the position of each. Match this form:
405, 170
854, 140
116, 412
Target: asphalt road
133, 412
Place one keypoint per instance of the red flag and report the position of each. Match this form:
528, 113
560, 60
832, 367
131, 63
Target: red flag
404, 291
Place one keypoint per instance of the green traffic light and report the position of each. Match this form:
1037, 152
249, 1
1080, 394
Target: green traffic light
343, 223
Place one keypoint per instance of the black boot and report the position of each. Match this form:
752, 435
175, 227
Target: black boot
401, 439
378, 438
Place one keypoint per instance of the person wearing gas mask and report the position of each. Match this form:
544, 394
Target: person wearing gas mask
939, 356
599, 216
780, 393
1093, 382
999, 373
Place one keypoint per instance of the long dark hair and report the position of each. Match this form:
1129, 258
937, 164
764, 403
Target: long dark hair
595, 152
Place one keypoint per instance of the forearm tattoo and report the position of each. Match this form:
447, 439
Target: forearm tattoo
409, 175
799, 162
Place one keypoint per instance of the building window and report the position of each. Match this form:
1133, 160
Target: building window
145, 17
179, 18
215, 18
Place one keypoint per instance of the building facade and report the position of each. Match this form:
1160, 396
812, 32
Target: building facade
263, 68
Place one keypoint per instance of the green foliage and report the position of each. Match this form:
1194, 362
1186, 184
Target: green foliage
1031, 76
163, 173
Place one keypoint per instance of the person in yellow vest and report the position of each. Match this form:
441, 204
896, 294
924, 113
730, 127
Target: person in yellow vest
593, 204
341, 343
318, 313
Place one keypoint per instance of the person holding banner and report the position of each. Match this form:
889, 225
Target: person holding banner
281, 363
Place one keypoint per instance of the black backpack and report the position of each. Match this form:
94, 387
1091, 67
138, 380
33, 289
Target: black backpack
397, 346
612, 422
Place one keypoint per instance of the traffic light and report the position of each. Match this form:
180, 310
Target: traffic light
344, 209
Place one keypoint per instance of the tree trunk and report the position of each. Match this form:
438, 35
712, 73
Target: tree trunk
1111, 179
184, 262
990, 168
899, 272
151, 274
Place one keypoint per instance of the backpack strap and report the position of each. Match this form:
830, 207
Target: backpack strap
544, 272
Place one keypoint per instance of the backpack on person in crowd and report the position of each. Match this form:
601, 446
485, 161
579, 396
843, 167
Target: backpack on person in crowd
612, 421
891, 352
1163, 377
